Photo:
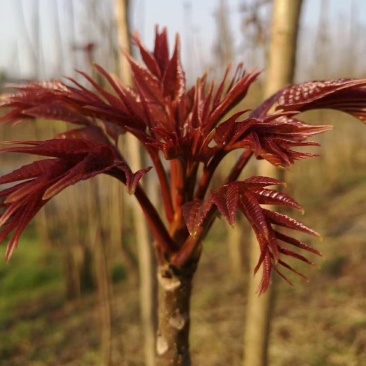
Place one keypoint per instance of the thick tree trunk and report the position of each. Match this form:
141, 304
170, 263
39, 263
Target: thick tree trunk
172, 346
280, 72
283, 44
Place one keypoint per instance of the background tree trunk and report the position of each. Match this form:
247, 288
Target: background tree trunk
172, 344
280, 72
145, 251
100, 247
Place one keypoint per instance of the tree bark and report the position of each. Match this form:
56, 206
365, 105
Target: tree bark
281, 60
172, 346
280, 72
123, 29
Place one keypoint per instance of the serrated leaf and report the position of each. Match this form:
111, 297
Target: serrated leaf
254, 213
261, 181
148, 84
87, 168
293, 254
60, 148
90, 133
192, 216
266, 275
347, 95
219, 200
271, 197
236, 91
59, 112
279, 219
248, 196
74, 160
28, 171
161, 49
296, 243
147, 57
23, 217
301, 96
232, 202
174, 78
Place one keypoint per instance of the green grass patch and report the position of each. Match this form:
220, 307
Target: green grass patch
32, 272
29, 285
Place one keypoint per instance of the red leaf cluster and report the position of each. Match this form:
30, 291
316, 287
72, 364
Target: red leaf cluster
247, 197
72, 160
192, 129
270, 137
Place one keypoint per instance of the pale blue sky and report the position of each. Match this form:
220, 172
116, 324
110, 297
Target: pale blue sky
196, 26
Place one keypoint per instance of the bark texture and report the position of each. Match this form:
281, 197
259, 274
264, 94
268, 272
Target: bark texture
280, 72
172, 346
283, 44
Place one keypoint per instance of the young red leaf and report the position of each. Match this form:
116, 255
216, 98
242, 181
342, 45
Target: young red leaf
271, 197
75, 160
57, 111
248, 196
29, 171
193, 216
147, 57
300, 97
18, 222
161, 49
270, 137
262, 182
174, 79
279, 219
296, 243
236, 91
148, 84
90, 133
347, 95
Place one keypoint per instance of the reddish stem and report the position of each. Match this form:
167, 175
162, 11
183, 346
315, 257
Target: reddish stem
191, 246
239, 166
156, 225
164, 185
207, 175
177, 175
